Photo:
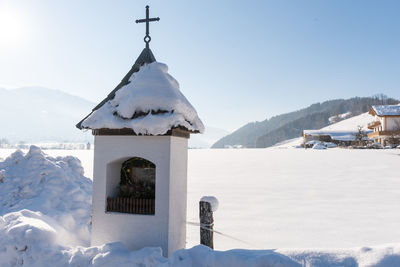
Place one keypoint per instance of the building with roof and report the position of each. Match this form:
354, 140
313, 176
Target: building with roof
386, 126
345, 138
141, 132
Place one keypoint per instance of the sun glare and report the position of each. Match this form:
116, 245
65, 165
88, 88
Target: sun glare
11, 27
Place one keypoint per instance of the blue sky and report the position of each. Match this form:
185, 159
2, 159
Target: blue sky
236, 61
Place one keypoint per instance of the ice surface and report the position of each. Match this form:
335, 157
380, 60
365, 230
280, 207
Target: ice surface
137, 105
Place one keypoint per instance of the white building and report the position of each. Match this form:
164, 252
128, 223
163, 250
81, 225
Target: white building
386, 126
141, 133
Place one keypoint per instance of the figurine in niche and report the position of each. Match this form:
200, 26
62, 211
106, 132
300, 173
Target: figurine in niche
138, 177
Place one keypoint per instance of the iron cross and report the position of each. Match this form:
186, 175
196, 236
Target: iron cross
147, 38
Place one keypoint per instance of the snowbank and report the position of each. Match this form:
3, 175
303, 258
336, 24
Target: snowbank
150, 104
200, 256
55, 187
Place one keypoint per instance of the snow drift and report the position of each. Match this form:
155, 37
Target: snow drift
55, 187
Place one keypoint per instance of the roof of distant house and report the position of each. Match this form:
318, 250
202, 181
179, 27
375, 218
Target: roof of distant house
385, 110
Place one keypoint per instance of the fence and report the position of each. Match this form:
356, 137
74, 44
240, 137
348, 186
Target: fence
131, 205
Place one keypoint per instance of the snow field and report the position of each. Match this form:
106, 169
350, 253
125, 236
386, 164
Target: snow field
296, 198
292, 199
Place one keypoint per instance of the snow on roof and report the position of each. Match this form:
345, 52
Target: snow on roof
387, 110
151, 104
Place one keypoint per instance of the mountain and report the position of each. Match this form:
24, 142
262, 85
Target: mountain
35, 114
210, 136
291, 125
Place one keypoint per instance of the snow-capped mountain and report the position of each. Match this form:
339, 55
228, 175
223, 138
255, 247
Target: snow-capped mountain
34, 114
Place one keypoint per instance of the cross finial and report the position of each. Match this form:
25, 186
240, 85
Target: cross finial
147, 38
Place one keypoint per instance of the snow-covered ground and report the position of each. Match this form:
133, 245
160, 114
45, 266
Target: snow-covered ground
292, 199
274, 198
351, 124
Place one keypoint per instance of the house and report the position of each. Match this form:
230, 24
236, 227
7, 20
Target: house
386, 126
338, 137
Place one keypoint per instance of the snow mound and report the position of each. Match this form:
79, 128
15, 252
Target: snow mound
55, 187
319, 146
150, 104
202, 256
32, 239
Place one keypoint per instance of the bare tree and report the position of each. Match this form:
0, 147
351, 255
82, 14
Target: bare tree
361, 136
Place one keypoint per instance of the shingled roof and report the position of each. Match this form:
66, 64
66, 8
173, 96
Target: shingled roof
145, 57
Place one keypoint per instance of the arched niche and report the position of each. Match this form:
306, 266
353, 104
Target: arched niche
131, 186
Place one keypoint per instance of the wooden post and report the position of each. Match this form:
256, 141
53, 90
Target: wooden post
206, 224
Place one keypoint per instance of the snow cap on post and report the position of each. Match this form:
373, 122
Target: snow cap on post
212, 200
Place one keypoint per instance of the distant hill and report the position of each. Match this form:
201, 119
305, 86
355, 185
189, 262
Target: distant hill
35, 114
206, 140
290, 125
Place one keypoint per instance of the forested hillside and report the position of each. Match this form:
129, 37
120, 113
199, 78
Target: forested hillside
290, 125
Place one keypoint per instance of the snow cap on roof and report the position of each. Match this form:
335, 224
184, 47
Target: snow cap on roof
150, 104
386, 110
